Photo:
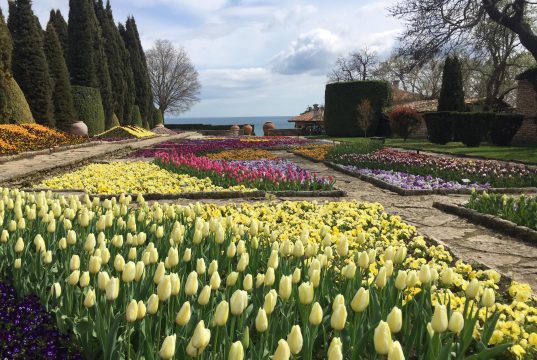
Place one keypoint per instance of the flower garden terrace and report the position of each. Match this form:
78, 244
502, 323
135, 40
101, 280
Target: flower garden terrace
332, 280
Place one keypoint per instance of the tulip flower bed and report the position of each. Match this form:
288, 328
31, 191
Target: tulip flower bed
119, 133
412, 182
205, 146
268, 175
255, 281
133, 178
314, 152
493, 173
521, 210
242, 155
15, 139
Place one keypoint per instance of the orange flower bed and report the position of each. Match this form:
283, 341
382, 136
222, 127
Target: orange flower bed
15, 139
242, 155
317, 152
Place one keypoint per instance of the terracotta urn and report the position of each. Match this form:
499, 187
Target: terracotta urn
248, 129
269, 125
79, 128
235, 129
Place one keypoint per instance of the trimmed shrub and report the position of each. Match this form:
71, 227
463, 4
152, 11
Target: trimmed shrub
342, 101
404, 121
17, 108
136, 116
503, 128
157, 117
89, 107
439, 127
471, 128
452, 92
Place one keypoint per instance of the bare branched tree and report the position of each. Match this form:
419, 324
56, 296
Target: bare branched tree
174, 80
359, 65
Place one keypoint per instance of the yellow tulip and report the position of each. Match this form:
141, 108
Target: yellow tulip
473, 289
102, 280
159, 273
167, 350
236, 351
89, 300
201, 336
316, 314
259, 280
231, 279
248, 282
112, 289
239, 302
282, 351
349, 271
285, 288
360, 302
488, 299
270, 301
400, 280
273, 261
305, 293
187, 256
425, 274
164, 288
339, 317
19, 245
119, 263
400, 255
213, 267
205, 295
439, 322
90, 242
382, 338
297, 275
200, 266
446, 277
335, 350
18, 263
191, 286
152, 304
396, 352
231, 250
129, 272
141, 310
456, 322
173, 257
221, 313
412, 279
56, 290
380, 280
261, 321
132, 311
363, 260
183, 316
395, 320
294, 340
270, 277
139, 271
175, 284
84, 279
73, 278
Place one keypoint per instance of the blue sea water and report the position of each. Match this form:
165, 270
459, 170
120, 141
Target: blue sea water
281, 122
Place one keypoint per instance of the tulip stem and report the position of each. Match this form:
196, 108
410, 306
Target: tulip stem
215, 346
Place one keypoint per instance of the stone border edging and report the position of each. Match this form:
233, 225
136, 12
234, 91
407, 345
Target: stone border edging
490, 221
407, 192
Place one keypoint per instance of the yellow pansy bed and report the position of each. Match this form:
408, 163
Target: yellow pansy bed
132, 178
242, 155
333, 280
316, 152
125, 132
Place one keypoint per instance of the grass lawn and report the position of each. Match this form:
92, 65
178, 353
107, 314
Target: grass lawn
525, 154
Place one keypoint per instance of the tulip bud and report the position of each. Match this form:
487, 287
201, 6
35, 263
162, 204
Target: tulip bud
363, 260
200, 266
183, 316
132, 311
187, 256
84, 279
338, 300
316, 314
439, 322
62, 244
382, 338
152, 304
270, 277
425, 274
488, 299
73, 278
112, 289
56, 290
89, 300
191, 287
19, 245
400, 255
231, 250
243, 262
205, 295
400, 280
349, 271
236, 351
231, 279
380, 280
473, 289
412, 279
89, 245
294, 340
119, 263
259, 280
282, 351
273, 261
167, 350
221, 313
139, 271
201, 336
395, 320
248, 282
298, 249
141, 310
396, 352
339, 317
335, 350
315, 278
164, 288
305, 293
297, 275
446, 277
261, 321
285, 288
239, 302
456, 322
270, 301
18, 263
159, 273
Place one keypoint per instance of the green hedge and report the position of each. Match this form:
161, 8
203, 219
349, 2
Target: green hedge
89, 107
17, 109
472, 127
439, 126
504, 127
157, 117
136, 116
342, 99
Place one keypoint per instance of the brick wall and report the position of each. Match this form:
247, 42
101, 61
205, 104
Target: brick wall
526, 105
421, 132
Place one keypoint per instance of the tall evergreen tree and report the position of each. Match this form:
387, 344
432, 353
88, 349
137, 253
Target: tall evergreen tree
29, 64
452, 91
60, 25
81, 60
130, 89
64, 111
6, 47
144, 97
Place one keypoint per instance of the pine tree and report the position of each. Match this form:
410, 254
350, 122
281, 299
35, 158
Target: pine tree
144, 97
6, 47
130, 88
452, 92
81, 60
60, 25
29, 64
64, 111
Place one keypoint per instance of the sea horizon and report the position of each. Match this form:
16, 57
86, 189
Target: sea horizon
281, 122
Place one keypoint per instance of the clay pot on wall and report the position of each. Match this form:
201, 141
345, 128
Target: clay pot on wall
248, 129
79, 128
269, 125
235, 129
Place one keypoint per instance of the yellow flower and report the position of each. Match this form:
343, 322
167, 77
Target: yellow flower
167, 350
294, 340
183, 316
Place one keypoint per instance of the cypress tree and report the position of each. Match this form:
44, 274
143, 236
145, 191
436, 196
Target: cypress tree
64, 111
452, 92
6, 47
29, 64
80, 45
144, 97
130, 88
60, 25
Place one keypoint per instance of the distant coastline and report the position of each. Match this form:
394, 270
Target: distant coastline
281, 122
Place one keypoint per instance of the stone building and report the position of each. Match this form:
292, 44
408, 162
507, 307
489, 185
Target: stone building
526, 105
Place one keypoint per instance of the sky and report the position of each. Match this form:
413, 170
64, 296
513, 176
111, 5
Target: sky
257, 57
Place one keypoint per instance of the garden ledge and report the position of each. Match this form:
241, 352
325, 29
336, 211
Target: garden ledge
490, 221
408, 192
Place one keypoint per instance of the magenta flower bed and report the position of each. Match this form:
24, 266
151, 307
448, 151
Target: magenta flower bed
204, 146
414, 182
269, 175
